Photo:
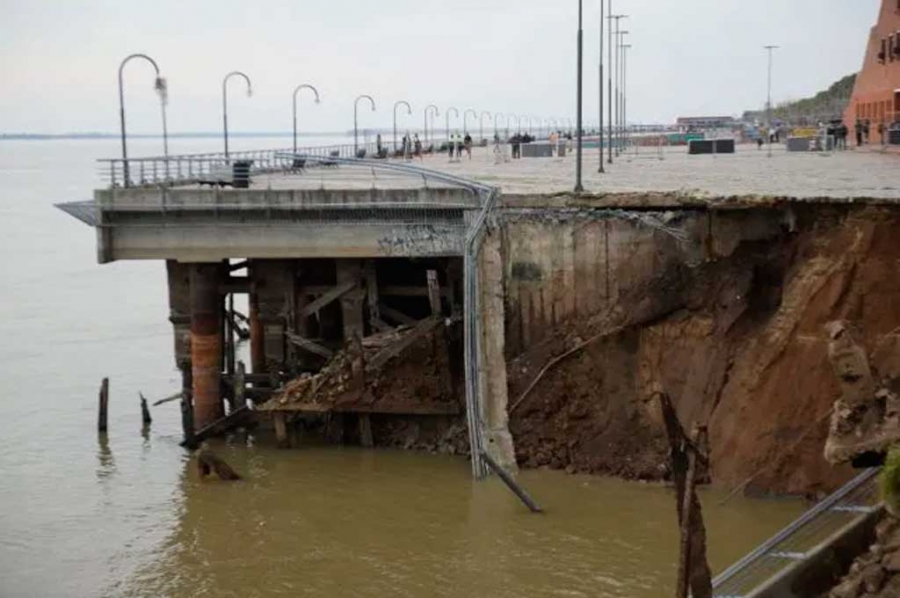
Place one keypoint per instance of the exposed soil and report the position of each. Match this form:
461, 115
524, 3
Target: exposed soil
739, 343
875, 574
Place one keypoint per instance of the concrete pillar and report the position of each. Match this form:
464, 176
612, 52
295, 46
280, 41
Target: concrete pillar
179, 277
352, 302
492, 388
206, 343
273, 281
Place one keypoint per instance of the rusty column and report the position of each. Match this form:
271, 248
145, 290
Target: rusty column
206, 343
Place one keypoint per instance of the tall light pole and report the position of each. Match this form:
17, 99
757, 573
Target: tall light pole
508, 120
162, 89
625, 49
770, 49
430, 108
408, 113
579, 188
620, 35
600, 135
466, 120
447, 119
225, 101
356, 120
481, 123
296, 91
612, 18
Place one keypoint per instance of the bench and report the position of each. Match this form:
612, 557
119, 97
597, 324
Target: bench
237, 175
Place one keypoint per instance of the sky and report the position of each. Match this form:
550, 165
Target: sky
59, 59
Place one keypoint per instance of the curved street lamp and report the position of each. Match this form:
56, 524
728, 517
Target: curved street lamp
447, 117
436, 113
296, 91
356, 121
481, 123
225, 100
466, 120
162, 90
508, 120
497, 117
408, 112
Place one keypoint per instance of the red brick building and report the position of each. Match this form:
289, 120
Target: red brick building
876, 96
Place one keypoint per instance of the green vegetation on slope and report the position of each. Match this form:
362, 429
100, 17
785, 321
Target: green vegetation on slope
824, 106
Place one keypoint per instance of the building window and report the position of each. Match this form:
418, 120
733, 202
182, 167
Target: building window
882, 55
891, 47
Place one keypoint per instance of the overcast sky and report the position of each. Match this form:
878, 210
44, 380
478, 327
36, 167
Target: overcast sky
59, 59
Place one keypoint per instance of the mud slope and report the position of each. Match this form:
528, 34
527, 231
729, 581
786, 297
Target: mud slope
740, 346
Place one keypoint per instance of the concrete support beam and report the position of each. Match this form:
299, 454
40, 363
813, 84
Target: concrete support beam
351, 272
206, 343
179, 277
274, 283
491, 358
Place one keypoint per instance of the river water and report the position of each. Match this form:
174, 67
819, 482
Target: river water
126, 515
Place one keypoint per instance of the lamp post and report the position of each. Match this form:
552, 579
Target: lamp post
625, 49
481, 123
296, 91
508, 120
770, 49
162, 90
620, 35
612, 18
600, 134
497, 118
408, 112
466, 120
579, 188
225, 101
356, 120
447, 119
428, 109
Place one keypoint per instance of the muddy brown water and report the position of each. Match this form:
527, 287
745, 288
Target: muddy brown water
125, 515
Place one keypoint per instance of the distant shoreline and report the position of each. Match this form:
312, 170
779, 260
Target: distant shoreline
56, 136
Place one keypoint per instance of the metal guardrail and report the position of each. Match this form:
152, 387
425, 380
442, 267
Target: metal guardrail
797, 541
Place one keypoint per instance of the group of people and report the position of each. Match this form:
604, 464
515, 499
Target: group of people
457, 143
408, 148
516, 141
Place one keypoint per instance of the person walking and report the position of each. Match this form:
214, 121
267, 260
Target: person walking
859, 133
417, 143
467, 143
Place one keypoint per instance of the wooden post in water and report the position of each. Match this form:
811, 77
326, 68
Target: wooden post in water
103, 410
511, 483
279, 419
146, 420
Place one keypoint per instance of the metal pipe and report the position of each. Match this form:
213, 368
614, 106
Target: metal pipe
161, 89
225, 101
356, 121
408, 112
296, 90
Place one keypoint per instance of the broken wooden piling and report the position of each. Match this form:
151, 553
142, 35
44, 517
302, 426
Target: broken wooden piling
208, 462
103, 409
146, 420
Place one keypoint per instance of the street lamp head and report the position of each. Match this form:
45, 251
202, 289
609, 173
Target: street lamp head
162, 89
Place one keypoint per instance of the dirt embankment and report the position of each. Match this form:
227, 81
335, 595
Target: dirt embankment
737, 342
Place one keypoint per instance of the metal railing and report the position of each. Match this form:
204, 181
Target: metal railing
798, 540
